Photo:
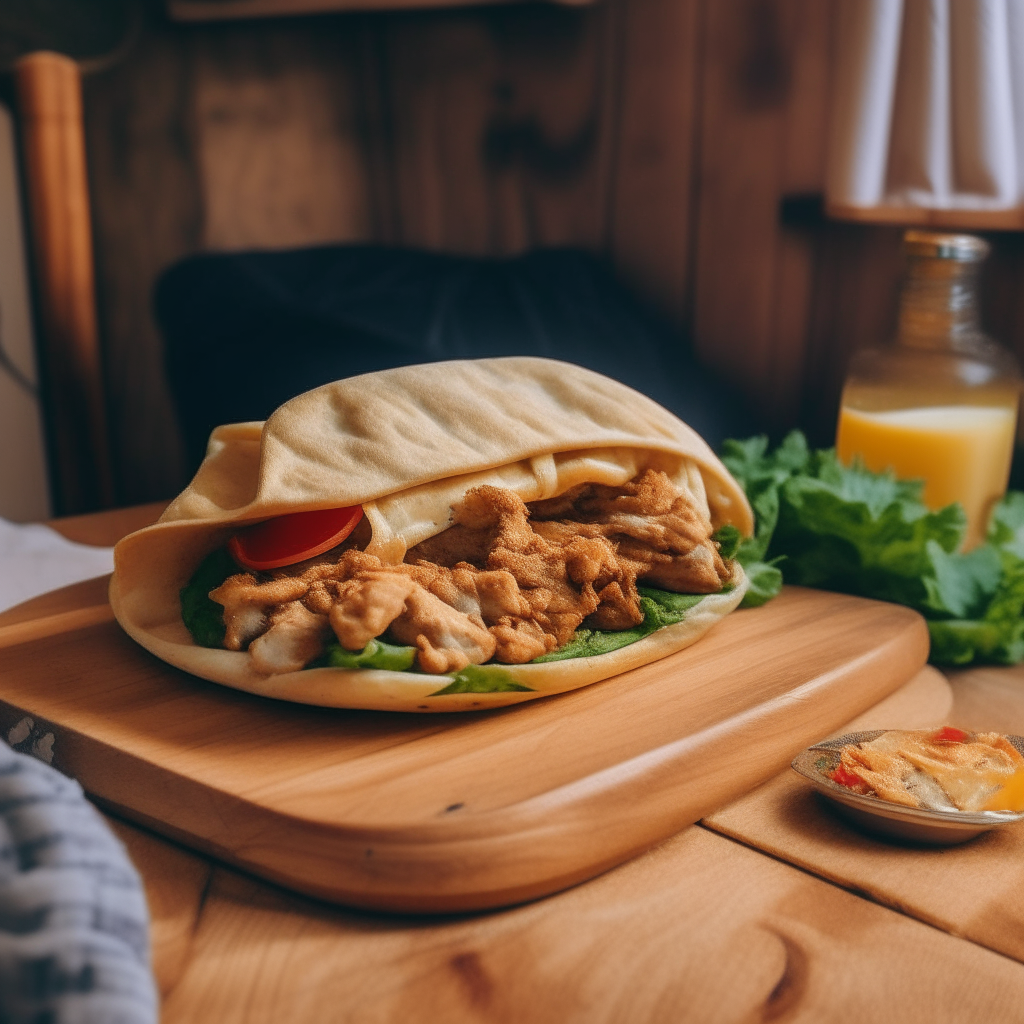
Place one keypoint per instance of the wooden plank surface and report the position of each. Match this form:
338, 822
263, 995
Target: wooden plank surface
450, 811
107, 529
698, 929
975, 890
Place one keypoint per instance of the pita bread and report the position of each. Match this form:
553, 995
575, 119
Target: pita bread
407, 444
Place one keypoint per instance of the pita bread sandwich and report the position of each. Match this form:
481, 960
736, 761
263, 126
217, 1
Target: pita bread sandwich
445, 537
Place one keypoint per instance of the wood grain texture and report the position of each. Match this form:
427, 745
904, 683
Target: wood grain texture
501, 128
654, 193
176, 883
975, 890
453, 812
277, 137
105, 529
988, 697
147, 207
53, 146
700, 928
761, 138
76, 598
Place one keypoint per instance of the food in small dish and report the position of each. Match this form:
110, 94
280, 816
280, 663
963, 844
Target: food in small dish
943, 769
950, 785
442, 537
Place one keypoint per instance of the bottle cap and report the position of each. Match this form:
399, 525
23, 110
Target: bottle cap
965, 248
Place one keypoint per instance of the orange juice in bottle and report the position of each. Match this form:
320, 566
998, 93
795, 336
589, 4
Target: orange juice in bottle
940, 405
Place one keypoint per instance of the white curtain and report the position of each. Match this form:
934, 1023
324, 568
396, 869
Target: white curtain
928, 107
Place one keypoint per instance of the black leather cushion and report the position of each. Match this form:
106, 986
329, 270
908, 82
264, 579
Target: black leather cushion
244, 332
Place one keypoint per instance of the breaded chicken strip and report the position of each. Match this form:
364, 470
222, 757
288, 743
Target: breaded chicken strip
248, 605
496, 584
295, 637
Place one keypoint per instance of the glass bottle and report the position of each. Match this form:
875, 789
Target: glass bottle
940, 404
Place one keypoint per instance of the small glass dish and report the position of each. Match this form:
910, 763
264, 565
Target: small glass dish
894, 821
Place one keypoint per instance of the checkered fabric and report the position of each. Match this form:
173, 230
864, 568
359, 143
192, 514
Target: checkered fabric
74, 929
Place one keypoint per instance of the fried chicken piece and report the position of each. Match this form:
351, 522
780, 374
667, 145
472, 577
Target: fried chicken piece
295, 637
700, 571
494, 584
616, 609
364, 607
247, 605
493, 596
448, 640
557, 571
653, 526
476, 521
519, 640
488, 594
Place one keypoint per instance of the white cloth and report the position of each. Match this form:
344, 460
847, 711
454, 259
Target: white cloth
35, 559
928, 106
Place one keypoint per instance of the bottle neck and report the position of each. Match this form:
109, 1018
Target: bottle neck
939, 305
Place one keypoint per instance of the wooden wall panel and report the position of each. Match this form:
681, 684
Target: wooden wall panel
556, 127
853, 305
761, 138
502, 124
277, 137
438, 72
653, 196
147, 212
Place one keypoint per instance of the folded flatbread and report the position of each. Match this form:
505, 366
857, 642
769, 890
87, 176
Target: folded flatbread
407, 445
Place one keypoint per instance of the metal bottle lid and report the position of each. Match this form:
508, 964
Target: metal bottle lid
945, 245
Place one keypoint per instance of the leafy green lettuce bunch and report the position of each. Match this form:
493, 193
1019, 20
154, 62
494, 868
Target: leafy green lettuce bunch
821, 524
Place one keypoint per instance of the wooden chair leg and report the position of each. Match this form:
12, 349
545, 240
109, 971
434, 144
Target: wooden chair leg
49, 95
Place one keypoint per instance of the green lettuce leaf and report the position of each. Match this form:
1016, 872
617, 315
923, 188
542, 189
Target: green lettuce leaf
204, 618
762, 476
1006, 528
376, 654
482, 679
822, 524
660, 608
729, 539
765, 583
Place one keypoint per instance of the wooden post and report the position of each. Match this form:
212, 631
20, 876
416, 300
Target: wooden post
49, 94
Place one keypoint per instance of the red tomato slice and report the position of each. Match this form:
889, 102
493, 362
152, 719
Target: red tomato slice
947, 734
293, 538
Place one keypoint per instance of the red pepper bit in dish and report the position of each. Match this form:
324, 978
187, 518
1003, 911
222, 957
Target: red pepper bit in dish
947, 734
846, 778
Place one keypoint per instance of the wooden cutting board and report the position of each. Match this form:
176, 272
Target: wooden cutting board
443, 812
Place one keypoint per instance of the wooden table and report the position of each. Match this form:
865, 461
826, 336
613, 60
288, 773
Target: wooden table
705, 927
